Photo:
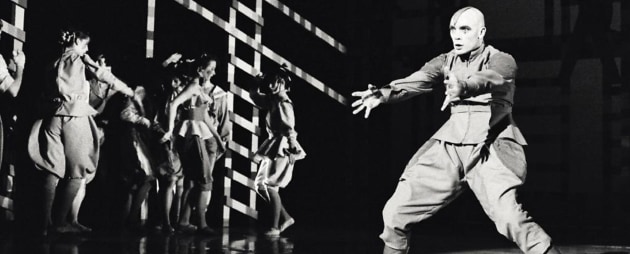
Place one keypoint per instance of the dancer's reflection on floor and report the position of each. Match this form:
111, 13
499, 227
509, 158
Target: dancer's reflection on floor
185, 244
67, 244
254, 244
134, 244
151, 243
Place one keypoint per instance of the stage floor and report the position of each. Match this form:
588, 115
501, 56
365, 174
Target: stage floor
295, 241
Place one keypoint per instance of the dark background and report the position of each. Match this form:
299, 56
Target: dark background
571, 104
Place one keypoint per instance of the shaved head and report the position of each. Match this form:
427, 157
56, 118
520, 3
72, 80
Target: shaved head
471, 13
467, 29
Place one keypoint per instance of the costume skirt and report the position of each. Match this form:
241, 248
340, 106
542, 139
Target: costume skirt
275, 169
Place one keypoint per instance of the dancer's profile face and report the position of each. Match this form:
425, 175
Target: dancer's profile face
467, 30
208, 72
81, 46
175, 82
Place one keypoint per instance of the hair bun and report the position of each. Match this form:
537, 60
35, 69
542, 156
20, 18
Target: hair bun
67, 38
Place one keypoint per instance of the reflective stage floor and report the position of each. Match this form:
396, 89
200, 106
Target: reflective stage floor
300, 241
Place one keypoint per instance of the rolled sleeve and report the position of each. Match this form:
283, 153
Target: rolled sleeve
417, 83
104, 75
501, 71
287, 117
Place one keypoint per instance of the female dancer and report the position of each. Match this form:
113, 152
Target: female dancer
138, 161
280, 151
169, 167
202, 134
64, 143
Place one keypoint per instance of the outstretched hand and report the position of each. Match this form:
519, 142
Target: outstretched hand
369, 99
172, 59
101, 61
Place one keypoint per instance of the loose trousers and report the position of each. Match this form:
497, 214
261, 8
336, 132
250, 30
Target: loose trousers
435, 176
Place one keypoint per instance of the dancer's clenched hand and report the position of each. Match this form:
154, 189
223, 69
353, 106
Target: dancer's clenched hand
166, 137
454, 90
19, 58
369, 99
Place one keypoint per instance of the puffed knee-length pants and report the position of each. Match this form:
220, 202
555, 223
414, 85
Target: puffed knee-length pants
66, 146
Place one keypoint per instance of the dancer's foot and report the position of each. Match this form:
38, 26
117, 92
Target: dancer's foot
80, 227
286, 224
66, 229
167, 229
186, 228
273, 232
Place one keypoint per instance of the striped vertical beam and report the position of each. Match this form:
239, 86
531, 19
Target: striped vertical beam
6, 196
9, 215
228, 155
16, 30
144, 209
255, 111
258, 35
19, 10
6, 203
233, 176
227, 188
150, 28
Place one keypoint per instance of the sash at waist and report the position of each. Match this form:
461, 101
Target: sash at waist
195, 114
464, 108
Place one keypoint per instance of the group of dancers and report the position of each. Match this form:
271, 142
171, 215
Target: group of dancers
170, 137
479, 146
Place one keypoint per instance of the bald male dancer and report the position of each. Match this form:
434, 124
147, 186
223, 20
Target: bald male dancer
479, 144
